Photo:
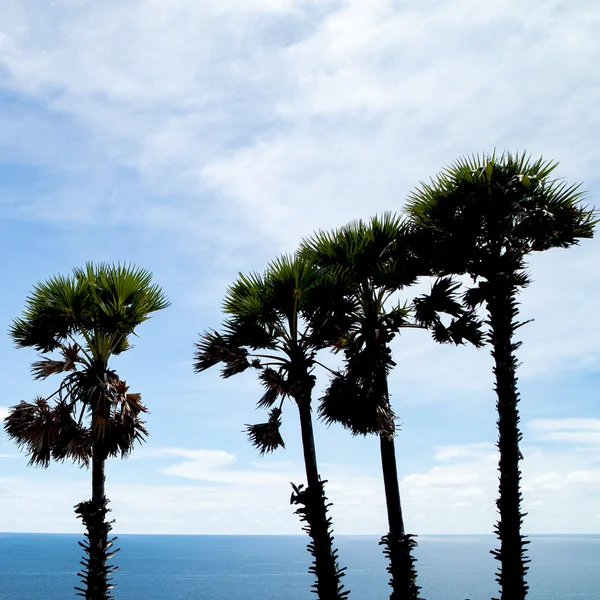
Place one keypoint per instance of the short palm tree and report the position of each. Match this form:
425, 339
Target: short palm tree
372, 261
84, 319
277, 322
483, 215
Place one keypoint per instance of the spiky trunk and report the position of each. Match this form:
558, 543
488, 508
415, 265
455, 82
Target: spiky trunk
398, 545
96, 573
502, 310
313, 511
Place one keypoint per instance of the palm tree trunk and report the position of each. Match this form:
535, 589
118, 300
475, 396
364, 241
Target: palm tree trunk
313, 510
308, 444
502, 310
390, 483
98, 532
398, 545
96, 572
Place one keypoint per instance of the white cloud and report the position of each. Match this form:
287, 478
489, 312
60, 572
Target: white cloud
573, 430
578, 437
550, 481
572, 423
456, 495
296, 105
39, 505
3, 412
216, 498
459, 495
212, 466
251, 125
465, 451
211, 459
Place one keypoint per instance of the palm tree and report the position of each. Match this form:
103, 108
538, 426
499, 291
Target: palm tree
373, 261
483, 215
85, 319
276, 324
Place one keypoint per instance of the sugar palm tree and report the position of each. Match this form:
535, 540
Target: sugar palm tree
276, 324
483, 215
372, 261
84, 320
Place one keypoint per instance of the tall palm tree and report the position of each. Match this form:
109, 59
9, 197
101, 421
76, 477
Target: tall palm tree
372, 261
483, 215
84, 319
276, 324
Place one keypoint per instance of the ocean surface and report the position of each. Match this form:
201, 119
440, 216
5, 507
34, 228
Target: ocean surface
152, 567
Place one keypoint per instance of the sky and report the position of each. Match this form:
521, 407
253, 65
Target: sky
200, 139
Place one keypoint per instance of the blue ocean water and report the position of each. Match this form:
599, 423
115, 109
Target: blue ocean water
152, 567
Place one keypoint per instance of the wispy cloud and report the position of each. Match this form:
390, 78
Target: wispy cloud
244, 128
460, 492
569, 423
279, 108
456, 495
215, 466
474, 451
573, 430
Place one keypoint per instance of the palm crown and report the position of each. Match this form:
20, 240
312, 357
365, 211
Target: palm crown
371, 261
276, 323
487, 212
83, 319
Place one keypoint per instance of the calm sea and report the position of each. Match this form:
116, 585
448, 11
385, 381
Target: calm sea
44, 567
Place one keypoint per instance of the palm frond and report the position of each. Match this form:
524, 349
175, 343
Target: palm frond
440, 333
213, 348
467, 328
360, 407
256, 334
277, 386
210, 350
51, 314
122, 433
124, 427
73, 440
266, 436
248, 296
477, 295
47, 366
33, 427
442, 299
397, 317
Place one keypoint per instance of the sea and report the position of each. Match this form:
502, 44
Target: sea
171, 567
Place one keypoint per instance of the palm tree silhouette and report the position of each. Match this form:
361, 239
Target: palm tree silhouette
84, 319
277, 322
483, 215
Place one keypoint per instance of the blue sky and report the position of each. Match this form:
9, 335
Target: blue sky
201, 139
